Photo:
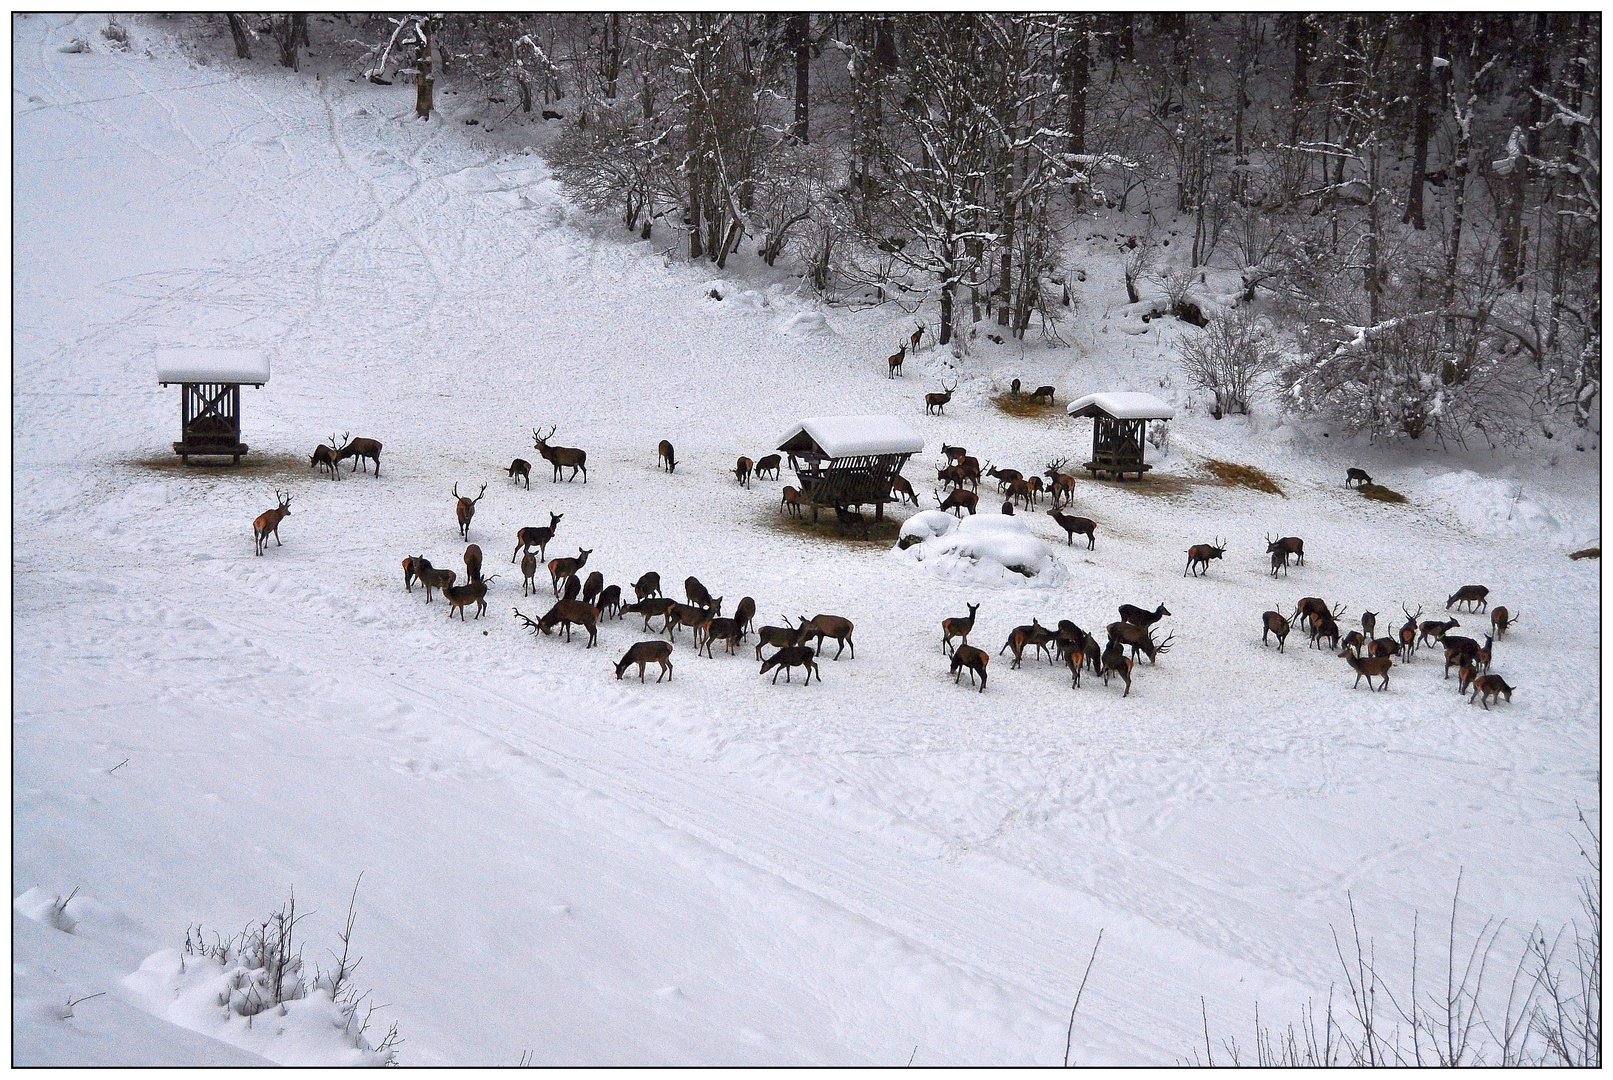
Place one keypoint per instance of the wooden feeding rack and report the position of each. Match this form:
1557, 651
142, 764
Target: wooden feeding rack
849, 461
1119, 425
210, 382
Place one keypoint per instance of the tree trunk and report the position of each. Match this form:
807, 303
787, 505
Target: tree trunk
946, 313
1239, 158
286, 38
1373, 272
1299, 88
1464, 150
422, 80
243, 50
1078, 74
1421, 124
1005, 283
800, 32
610, 60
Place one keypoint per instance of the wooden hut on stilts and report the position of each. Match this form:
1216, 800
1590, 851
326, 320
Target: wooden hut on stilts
849, 461
210, 382
1119, 426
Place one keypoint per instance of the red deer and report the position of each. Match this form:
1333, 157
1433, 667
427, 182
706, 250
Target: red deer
903, 490
849, 519
325, 458
1433, 631
724, 630
1279, 561
460, 597
1004, 477
778, 637
610, 599
1075, 660
1369, 623
1043, 392
567, 612
521, 469
593, 587
465, 509
536, 536
663, 459
473, 564
1354, 641
744, 615
1384, 646
1287, 545
572, 588
914, 340
1469, 595
1483, 655
678, 615
938, 402
895, 362
1273, 623
1036, 487
697, 593
1201, 554
952, 476
765, 465
1465, 675
1060, 485
957, 628
1501, 620
1309, 609
1020, 489
529, 570
1458, 649
1324, 624
561, 457
360, 450
742, 471
433, 578
1072, 525
1358, 475
1376, 665
1142, 616
561, 569
647, 652
958, 501
822, 626
970, 468
411, 570
1013, 388
269, 522
1035, 635
968, 658
1408, 634
790, 500
1488, 688
1139, 640
647, 585
1115, 662
792, 656
652, 608
954, 453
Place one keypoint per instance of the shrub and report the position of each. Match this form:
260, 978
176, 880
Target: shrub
1227, 356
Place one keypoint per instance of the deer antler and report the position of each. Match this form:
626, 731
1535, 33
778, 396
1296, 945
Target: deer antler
479, 494
456, 490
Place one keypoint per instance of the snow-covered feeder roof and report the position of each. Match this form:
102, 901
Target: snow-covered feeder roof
1122, 405
204, 365
851, 436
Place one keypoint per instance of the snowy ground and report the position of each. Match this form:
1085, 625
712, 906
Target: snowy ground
716, 870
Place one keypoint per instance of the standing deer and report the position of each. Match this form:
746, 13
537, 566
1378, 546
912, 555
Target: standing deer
938, 402
1074, 658
765, 465
792, 656
1470, 595
1369, 623
958, 501
1201, 554
822, 626
647, 652
1408, 634
536, 536
360, 450
655, 607
1072, 525
1434, 631
1272, 622
562, 569
903, 490
411, 570
744, 615
610, 599
568, 612
968, 658
1034, 636
1309, 608
1457, 650
460, 597
1501, 620
957, 628
1013, 388
1004, 477
529, 570
1142, 616
561, 457
698, 594
521, 469
325, 458
1488, 688
473, 564
778, 637
1324, 624
269, 522
433, 578
914, 340
1279, 561
1041, 393
790, 500
742, 471
953, 453
1368, 667
593, 587
895, 362
647, 585
1359, 476
1286, 546
465, 509
1115, 662
1139, 640
663, 459
1060, 485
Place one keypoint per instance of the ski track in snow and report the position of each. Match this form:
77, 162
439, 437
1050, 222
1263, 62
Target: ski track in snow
755, 873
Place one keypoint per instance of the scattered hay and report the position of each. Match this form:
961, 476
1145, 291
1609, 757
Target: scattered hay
880, 533
255, 465
1022, 406
1587, 553
1242, 476
1379, 493
1151, 484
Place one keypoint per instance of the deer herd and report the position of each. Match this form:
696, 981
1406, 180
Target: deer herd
589, 602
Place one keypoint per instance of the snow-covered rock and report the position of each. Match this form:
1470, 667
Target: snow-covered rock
925, 525
987, 549
805, 324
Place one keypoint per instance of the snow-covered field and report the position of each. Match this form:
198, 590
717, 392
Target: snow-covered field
715, 870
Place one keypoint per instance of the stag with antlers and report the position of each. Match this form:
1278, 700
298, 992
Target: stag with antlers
561, 456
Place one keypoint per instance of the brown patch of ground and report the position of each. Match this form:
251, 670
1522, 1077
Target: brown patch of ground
1242, 476
1587, 553
1379, 493
880, 533
255, 465
1022, 406
1151, 484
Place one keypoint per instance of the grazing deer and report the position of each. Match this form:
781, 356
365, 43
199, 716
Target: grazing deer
1041, 393
465, 509
1309, 608
1465, 675
536, 536
968, 658
529, 570
433, 578
473, 563
460, 597
765, 465
1013, 388
1004, 477
521, 469
679, 615
1139, 640
958, 500
360, 450
790, 500
822, 626
1408, 634
1354, 641
1458, 649
1142, 616
1201, 554
1286, 545
561, 457
1375, 665
1325, 624
572, 589
561, 569
593, 587
951, 476
1434, 631
647, 652
1115, 662
957, 628
742, 471
1383, 646
325, 458
1037, 489
411, 570
745, 615
1501, 620
647, 585
269, 522
902, 490
969, 467
1488, 688
792, 656
1369, 623
1072, 525
651, 608
938, 402
663, 459
895, 362
1470, 595
1035, 635
567, 612
1358, 475
1020, 489
778, 637
697, 593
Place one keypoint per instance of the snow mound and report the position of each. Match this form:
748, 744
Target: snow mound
804, 324
731, 292
1489, 505
927, 524
987, 549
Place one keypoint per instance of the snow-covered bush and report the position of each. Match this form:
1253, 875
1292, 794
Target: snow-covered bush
1225, 358
987, 549
925, 525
